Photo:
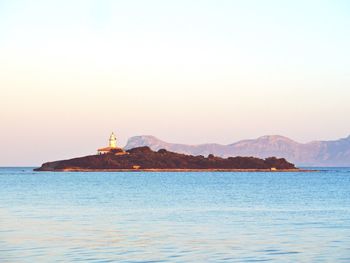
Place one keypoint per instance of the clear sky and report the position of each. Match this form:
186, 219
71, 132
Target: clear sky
185, 71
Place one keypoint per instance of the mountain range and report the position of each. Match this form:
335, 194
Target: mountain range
315, 153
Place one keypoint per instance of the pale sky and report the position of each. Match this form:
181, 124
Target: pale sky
184, 71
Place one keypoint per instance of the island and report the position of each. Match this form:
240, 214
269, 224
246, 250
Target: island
144, 159
114, 158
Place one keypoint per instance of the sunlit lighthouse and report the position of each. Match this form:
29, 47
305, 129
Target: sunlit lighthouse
112, 141
112, 147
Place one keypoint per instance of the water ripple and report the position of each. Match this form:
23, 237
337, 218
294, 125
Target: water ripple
100, 217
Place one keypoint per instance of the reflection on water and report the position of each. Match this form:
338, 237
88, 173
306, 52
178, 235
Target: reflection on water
174, 217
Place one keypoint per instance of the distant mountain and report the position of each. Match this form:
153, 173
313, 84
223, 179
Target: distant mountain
316, 153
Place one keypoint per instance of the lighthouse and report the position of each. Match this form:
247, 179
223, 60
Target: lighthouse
112, 141
112, 147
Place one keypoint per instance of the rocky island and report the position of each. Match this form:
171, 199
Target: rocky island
113, 158
144, 159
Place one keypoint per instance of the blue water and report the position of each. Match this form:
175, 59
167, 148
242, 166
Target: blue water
174, 217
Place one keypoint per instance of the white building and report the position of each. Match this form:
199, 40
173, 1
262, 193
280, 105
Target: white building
112, 146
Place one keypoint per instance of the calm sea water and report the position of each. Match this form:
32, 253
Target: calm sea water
174, 217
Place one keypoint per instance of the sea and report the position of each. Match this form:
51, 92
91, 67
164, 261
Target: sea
174, 216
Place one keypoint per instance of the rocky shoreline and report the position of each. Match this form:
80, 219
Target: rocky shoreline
181, 170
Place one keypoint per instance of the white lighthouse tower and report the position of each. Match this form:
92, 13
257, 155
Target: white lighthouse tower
112, 147
112, 141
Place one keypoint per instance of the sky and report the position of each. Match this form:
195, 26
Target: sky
71, 72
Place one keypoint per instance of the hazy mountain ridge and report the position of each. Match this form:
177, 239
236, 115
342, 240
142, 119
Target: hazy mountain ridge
315, 153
